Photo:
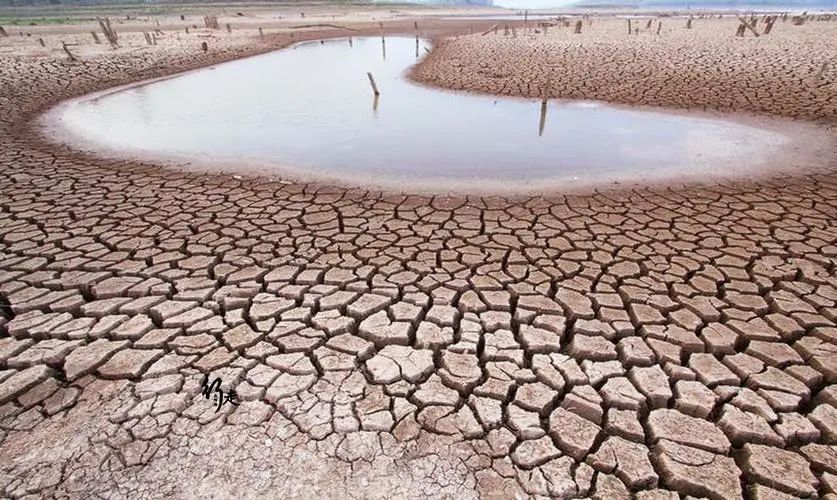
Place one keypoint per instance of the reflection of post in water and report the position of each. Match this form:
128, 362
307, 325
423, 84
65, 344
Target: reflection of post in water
543, 117
350, 42
417, 47
372, 83
383, 41
375, 104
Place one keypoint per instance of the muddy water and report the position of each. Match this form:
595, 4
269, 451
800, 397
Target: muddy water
309, 111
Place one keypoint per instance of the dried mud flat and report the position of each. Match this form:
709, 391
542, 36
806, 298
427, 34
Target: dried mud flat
791, 72
659, 343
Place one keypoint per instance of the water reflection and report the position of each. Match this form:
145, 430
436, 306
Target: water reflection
309, 107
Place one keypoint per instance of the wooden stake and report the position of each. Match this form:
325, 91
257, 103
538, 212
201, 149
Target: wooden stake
95, 38
372, 82
67, 50
659, 27
41, 41
748, 25
578, 26
3, 33
629, 27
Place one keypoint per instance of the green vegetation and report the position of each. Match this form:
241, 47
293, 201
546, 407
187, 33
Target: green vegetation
36, 21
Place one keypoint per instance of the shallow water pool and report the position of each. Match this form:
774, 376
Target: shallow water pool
309, 111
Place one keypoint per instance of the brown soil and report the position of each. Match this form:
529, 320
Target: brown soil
790, 72
666, 341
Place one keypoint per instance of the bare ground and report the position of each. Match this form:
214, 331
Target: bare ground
666, 342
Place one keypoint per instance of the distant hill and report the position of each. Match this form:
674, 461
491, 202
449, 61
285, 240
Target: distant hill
708, 4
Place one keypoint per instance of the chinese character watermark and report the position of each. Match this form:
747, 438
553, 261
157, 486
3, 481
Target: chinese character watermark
218, 396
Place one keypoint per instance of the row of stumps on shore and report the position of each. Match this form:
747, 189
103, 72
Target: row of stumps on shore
110, 34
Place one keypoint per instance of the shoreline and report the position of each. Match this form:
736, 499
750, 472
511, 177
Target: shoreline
32, 125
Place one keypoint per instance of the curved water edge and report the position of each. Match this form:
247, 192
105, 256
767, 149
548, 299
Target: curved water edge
323, 124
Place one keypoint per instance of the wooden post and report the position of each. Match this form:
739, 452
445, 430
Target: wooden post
67, 50
41, 41
578, 26
109, 32
204, 46
229, 29
659, 27
3, 33
261, 32
648, 26
372, 82
147, 38
95, 38
350, 42
748, 25
689, 24
768, 25
187, 30
629, 27
740, 31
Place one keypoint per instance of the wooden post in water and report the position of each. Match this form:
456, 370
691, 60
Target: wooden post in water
372, 82
417, 46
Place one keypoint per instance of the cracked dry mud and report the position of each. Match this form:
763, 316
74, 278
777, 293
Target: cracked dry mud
660, 343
